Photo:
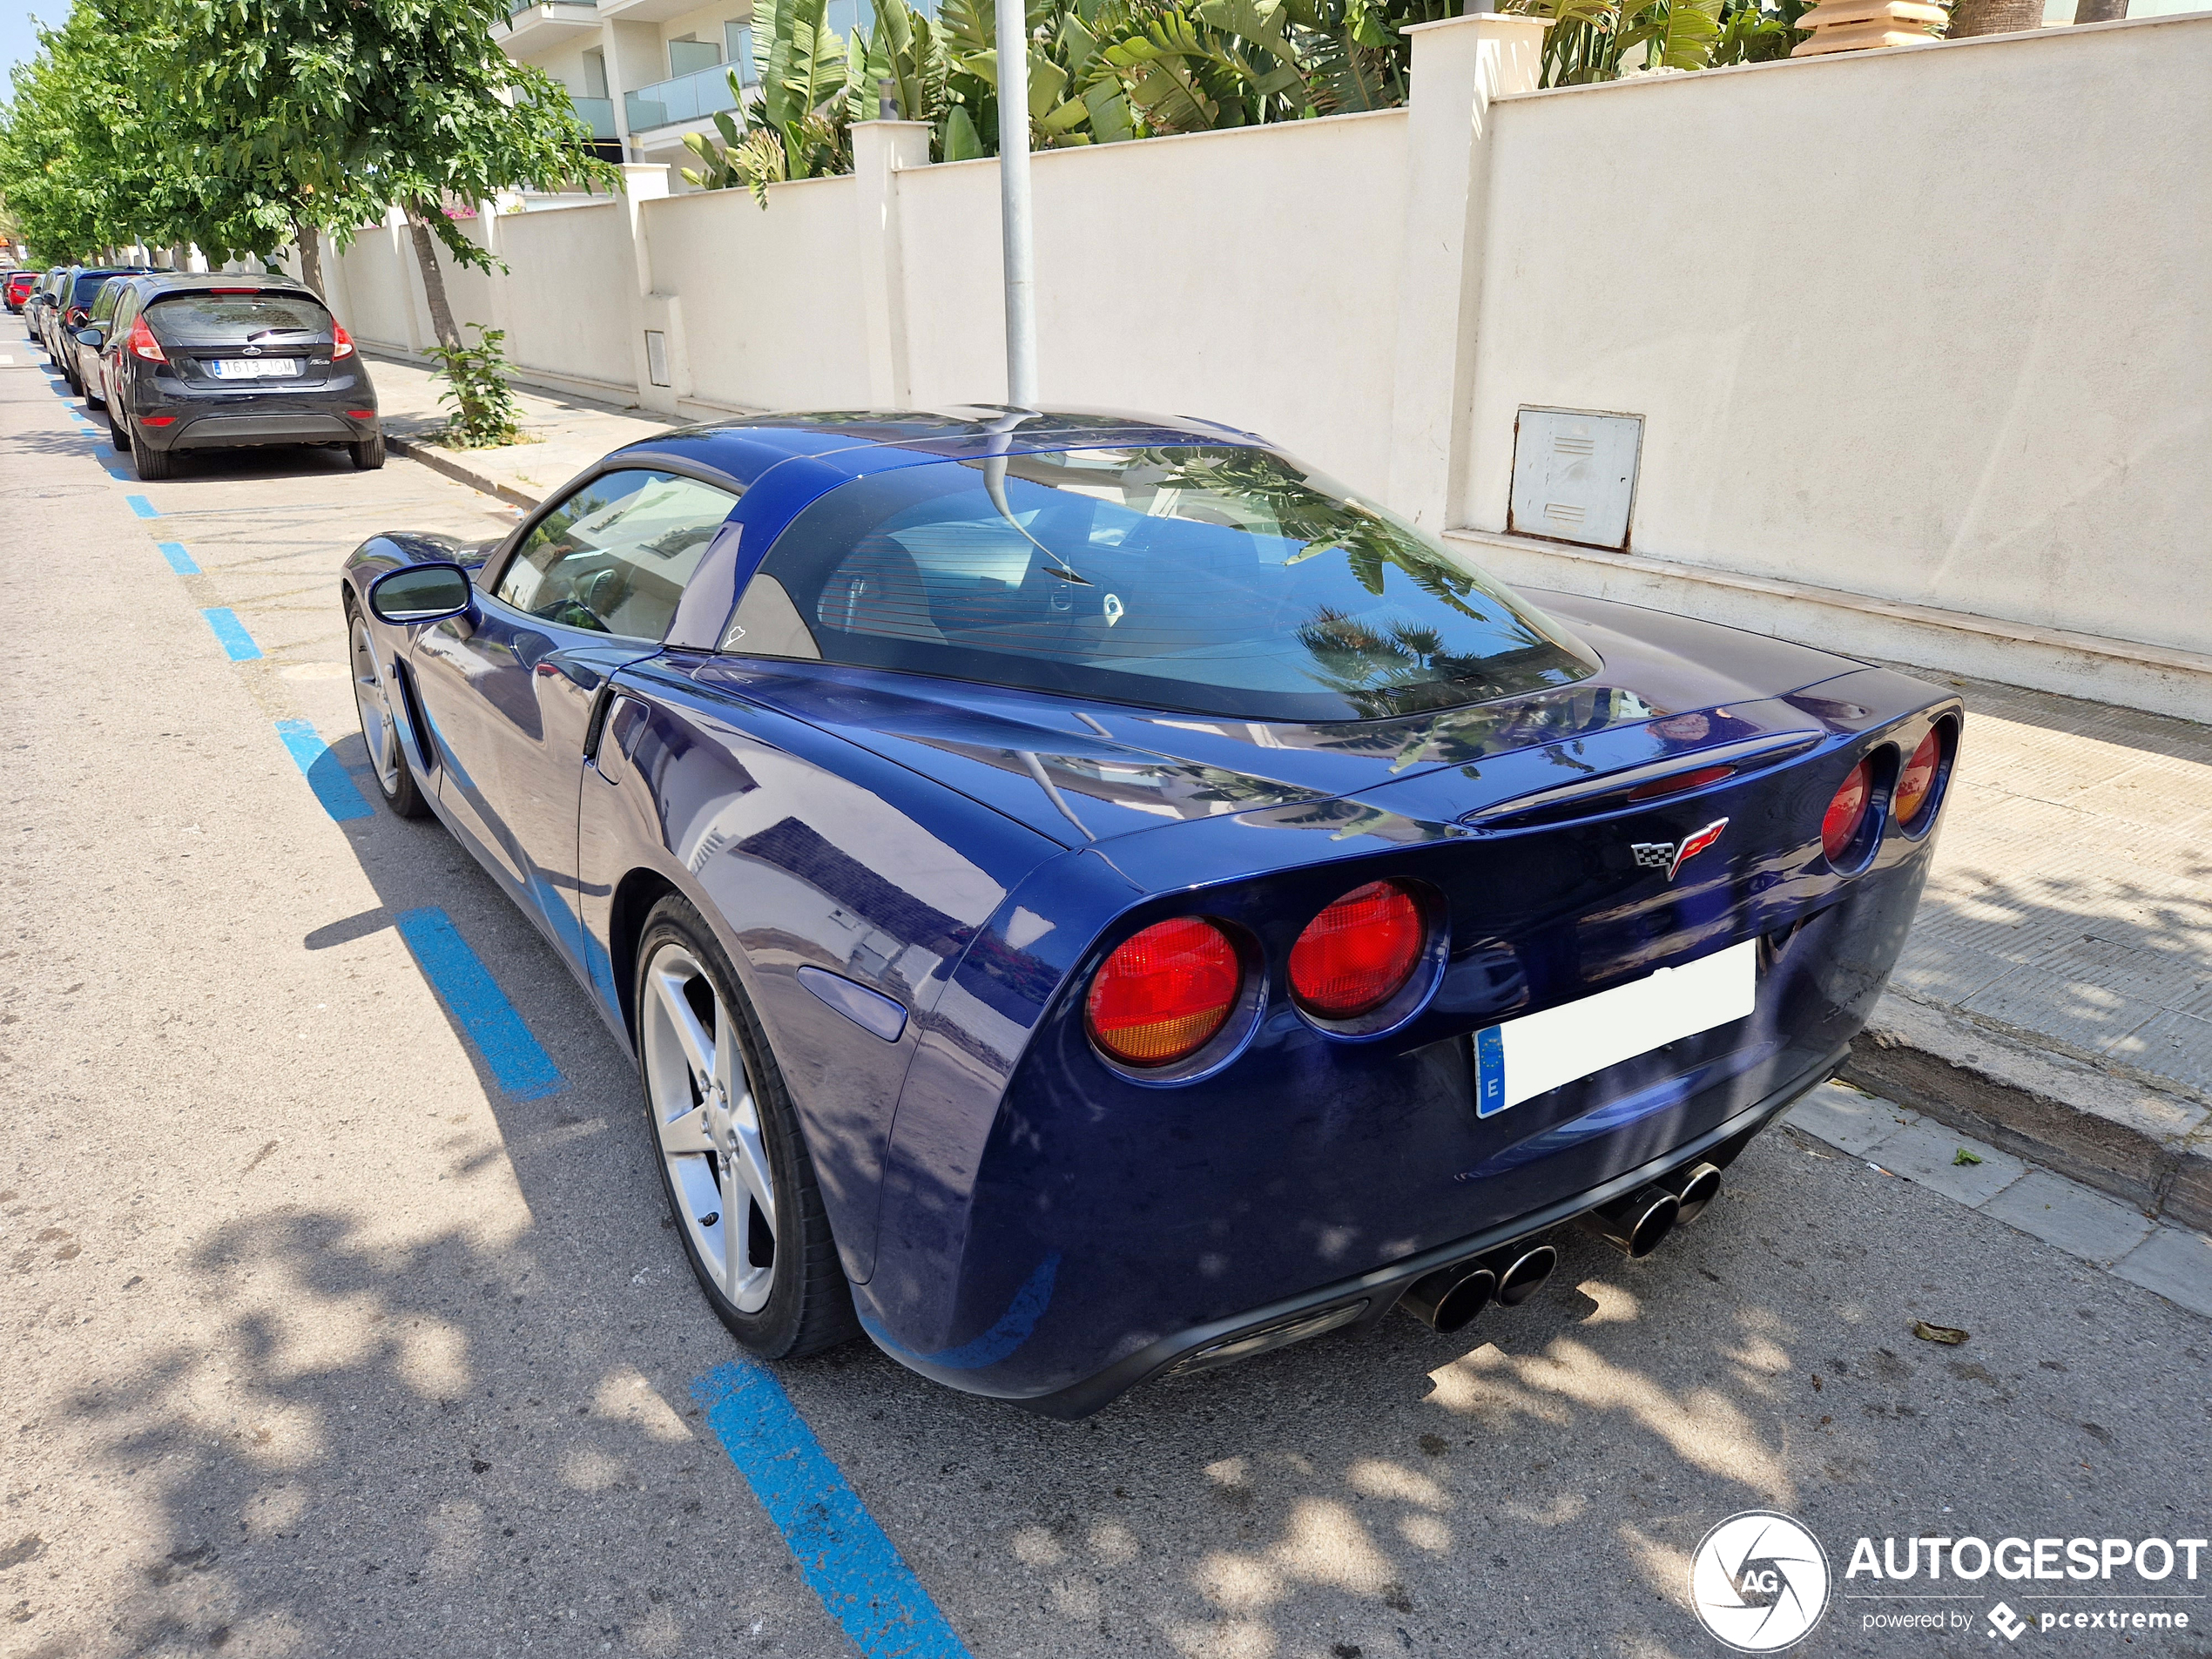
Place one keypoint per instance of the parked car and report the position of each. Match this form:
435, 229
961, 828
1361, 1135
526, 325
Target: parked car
41, 297
72, 307
221, 361
18, 289
87, 344
1090, 898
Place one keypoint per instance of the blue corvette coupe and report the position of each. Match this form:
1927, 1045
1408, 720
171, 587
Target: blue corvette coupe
1090, 898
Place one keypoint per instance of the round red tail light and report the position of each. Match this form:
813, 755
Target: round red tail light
1916, 782
1355, 956
1164, 992
1839, 825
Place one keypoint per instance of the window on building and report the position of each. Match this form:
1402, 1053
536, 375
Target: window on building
687, 57
595, 73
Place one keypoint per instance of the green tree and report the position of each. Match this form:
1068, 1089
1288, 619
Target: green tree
372, 105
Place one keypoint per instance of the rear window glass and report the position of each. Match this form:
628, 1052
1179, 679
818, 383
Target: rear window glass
1213, 579
234, 319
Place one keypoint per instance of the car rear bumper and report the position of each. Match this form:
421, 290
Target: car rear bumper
1363, 1299
235, 429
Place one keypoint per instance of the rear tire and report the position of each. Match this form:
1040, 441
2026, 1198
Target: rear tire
154, 464
117, 433
370, 455
734, 1166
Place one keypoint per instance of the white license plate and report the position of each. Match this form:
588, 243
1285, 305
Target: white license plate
1523, 1058
250, 368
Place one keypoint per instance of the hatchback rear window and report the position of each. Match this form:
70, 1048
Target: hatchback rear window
1212, 579
237, 319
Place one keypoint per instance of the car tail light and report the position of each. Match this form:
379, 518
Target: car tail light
342, 342
141, 342
1839, 825
1355, 956
1916, 782
1165, 993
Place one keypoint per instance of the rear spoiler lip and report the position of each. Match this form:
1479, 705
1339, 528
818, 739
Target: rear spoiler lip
1766, 749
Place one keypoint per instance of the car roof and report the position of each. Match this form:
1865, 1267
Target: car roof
247, 281
851, 443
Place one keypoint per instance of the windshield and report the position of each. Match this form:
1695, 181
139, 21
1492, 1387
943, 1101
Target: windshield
1217, 580
237, 319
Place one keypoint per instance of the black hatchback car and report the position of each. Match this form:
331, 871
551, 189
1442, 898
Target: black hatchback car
225, 361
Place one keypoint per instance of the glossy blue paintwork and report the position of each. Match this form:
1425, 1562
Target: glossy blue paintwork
914, 879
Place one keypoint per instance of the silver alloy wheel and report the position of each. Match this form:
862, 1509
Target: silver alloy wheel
708, 1127
375, 708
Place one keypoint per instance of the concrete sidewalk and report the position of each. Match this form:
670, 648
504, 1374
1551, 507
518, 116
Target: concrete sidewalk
564, 434
2055, 996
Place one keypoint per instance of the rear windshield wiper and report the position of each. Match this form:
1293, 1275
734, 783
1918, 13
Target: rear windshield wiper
262, 333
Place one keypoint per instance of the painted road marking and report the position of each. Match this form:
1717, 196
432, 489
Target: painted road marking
332, 785
522, 1067
237, 644
141, 506
863, 1582
179, 560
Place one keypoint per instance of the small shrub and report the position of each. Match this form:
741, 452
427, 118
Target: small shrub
484, 412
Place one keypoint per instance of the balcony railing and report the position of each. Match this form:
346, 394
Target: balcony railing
598, 114
687, 97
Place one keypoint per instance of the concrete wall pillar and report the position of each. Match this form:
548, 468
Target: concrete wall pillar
880, 151
1460, 65
652, 312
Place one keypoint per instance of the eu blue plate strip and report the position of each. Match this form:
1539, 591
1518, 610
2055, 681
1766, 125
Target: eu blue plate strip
237, 644
141, 506
179, 560
1489, 1072
845, 1557
339, 797
522, 1068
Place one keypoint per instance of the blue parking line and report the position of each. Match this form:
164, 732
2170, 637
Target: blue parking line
141, 506
522, 1067
334, 787
179, 560
237, 644
846, 1560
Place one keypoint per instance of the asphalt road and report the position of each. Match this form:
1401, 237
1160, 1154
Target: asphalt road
318, 1343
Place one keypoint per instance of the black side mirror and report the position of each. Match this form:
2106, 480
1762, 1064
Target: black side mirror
92, 335
420, 593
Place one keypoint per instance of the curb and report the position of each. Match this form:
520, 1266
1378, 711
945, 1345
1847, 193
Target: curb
442, 460
2138, 1143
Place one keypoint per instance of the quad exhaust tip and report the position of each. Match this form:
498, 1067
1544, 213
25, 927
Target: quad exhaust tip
1637, 1224
1693, 1188
1449, 1298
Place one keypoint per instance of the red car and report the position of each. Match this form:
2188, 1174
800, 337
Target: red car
18, 288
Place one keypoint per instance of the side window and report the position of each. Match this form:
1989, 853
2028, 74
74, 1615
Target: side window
103, 307
127, 306
614, 556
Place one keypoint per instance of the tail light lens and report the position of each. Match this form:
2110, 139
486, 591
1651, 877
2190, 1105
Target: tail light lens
141, 342
1916, 782
1356, 954
1839, 825
1165, 993
342, 342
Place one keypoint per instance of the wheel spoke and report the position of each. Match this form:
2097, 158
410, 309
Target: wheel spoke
686, 1133
698, 1048
727, 1072
733, 1236
752, 1160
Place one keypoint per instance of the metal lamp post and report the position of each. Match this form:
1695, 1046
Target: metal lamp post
1014, 203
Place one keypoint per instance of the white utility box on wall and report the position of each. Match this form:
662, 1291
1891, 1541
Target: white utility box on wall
1574, 476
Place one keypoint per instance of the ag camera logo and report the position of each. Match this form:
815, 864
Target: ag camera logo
1759, 1581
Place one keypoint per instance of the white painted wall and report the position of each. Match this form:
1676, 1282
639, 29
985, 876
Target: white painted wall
1927, 325
1920, 337
568, 293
